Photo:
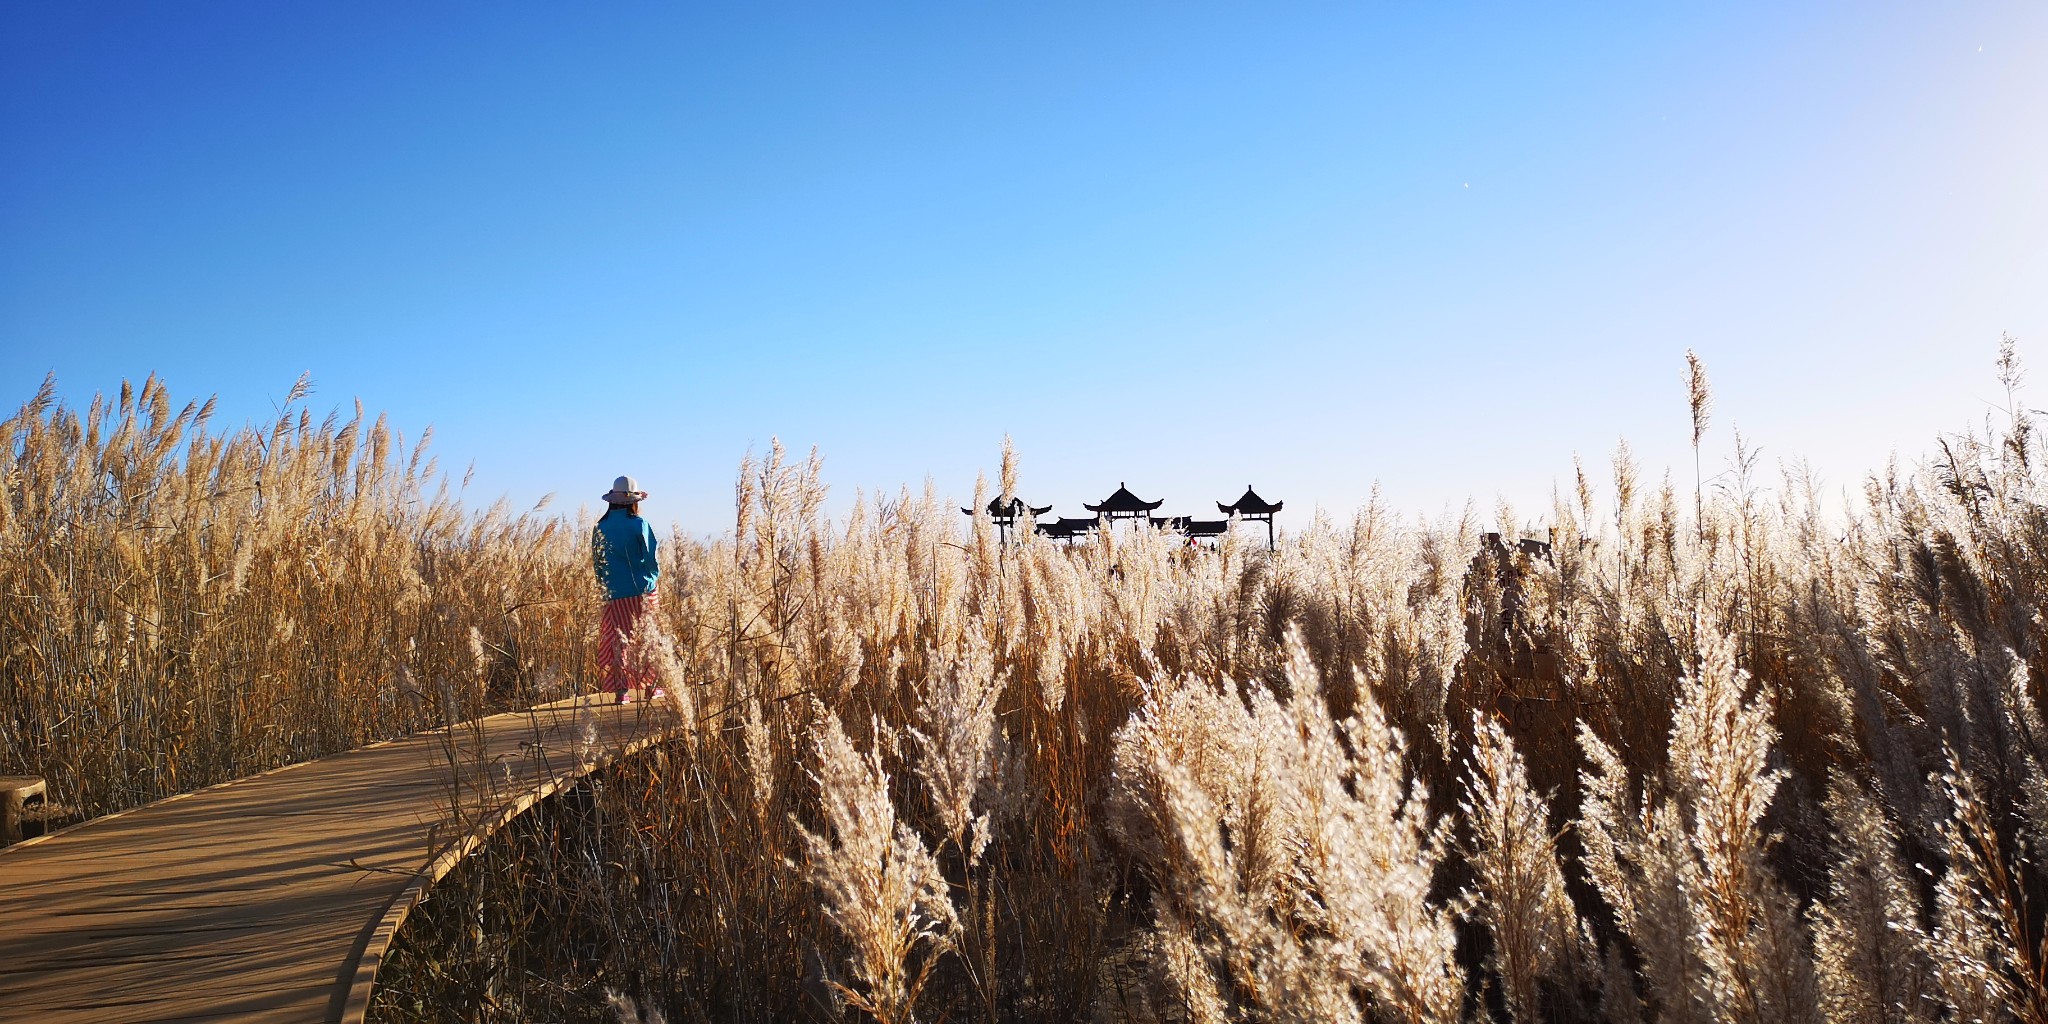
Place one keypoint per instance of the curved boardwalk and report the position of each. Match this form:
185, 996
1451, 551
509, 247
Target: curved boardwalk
273, 898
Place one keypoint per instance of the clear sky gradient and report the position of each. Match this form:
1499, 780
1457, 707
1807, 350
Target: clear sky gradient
1307, 247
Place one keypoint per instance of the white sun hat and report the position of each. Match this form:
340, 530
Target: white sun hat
625, 491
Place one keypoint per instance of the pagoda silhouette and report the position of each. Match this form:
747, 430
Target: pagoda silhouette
1252, 508
1006, 513
1122, 504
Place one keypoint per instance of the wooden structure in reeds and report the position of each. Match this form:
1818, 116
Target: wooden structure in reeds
274, 898
1005, 513
1249, 507
1068, 529
1122, 504
1192, 528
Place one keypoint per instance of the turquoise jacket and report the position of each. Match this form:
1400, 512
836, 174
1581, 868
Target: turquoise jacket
622, 552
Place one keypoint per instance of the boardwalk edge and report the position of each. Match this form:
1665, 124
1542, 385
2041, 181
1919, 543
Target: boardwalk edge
377, 937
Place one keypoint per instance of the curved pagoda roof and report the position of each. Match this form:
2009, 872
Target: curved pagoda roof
1250, 505
1124, 502
1011, 509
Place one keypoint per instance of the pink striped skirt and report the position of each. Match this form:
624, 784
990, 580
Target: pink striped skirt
620, 667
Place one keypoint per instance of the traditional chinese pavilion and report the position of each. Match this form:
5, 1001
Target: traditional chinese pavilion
1007, 512
1123, 505
1251, 508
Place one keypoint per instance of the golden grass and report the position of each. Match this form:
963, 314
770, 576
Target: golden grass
1756, 762
185, 605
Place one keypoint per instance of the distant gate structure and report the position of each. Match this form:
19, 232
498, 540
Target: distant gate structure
1122, 504
1251, 508
1068, 529
1192, 528
1006, 513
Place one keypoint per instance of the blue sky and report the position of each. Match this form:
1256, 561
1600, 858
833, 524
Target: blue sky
1308, 247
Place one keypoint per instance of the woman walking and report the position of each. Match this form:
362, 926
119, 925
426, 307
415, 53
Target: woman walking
622, 551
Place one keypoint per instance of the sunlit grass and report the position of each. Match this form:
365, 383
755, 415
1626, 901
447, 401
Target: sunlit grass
1717, 755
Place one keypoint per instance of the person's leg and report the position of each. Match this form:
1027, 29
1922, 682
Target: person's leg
611, 648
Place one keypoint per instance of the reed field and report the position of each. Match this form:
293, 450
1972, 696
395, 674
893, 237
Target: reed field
1718, 753
186, 605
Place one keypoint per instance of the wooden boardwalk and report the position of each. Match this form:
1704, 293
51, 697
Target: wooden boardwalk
273, 898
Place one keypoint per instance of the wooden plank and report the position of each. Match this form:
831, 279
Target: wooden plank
143, 942
224, 1000
269, 898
